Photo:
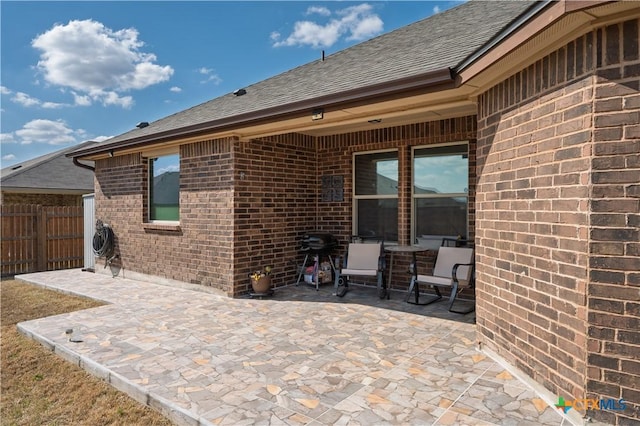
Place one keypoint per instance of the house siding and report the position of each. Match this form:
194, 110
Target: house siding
557, 228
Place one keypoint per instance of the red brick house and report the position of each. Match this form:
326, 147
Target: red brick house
530, 110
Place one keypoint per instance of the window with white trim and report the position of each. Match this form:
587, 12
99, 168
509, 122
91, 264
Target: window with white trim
164, 188
376, 194
440, 193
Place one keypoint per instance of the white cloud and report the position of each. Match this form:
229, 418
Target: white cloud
81, 100
5, 91
97, 62
175, 89
46, 131
52, 105
25, 100
275, 37
366, 28
8, 157
355, 22
28, 101
211, 75
7, 138
310, 33
319, 10
112, 98
361, 22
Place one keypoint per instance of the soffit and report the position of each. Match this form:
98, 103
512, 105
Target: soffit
416, 107
552, 30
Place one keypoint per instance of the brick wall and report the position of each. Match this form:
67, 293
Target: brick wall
278, 191
119, 195
335, 157
556, 220
275, 205
42, 199
247, 204
203, 253
614, 290
200, 250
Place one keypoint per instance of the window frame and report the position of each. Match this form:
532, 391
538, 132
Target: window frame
356, 198
149, 157
414, 196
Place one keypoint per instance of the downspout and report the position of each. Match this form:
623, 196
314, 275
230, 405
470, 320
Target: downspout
84, 166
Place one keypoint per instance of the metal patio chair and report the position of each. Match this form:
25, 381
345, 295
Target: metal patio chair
363, 259
454, 268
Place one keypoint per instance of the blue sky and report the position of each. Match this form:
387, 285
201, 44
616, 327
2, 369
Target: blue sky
78, 71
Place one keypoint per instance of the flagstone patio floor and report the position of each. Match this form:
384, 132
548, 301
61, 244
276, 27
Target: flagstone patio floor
300, 357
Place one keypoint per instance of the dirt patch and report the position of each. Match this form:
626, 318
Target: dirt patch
40, 388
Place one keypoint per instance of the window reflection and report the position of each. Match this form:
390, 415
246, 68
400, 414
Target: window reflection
164, 188
440, 191
376, 194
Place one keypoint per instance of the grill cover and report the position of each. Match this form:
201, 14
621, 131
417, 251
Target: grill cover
318, 241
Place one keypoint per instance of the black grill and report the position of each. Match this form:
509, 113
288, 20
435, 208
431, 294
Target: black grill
315, 242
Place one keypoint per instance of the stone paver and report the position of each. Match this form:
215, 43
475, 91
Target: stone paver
300, 357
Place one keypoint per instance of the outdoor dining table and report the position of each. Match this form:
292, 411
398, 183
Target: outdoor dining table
413, 249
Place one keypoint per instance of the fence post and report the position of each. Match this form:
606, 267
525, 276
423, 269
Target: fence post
41, 238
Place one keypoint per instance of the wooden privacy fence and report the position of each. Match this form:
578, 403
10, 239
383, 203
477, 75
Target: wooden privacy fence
41, 238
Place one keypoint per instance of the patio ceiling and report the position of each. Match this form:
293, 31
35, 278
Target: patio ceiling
414, 105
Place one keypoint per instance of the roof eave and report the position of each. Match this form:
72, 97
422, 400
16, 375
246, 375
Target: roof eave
37, 190
390, 88
510, 29
535, 20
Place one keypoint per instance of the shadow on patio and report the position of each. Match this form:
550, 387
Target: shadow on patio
367, 296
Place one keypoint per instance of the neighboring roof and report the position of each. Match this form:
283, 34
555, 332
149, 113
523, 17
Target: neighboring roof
435, 44
166, 188
49, 173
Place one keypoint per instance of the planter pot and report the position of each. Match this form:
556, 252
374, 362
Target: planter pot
262, 285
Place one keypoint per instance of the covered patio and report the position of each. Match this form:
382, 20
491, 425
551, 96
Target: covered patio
300, 357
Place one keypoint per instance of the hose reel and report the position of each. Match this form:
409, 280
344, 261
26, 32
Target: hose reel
104, 242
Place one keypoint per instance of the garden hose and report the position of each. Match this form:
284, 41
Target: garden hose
103, 241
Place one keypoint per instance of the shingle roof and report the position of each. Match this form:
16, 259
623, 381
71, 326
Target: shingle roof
52, 171
439, 42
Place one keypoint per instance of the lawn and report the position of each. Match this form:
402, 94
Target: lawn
40, 388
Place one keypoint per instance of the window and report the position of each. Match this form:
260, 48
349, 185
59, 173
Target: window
376, 194
164, 188
440, 193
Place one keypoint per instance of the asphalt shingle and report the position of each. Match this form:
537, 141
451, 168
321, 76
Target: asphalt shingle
52, 171
439, 42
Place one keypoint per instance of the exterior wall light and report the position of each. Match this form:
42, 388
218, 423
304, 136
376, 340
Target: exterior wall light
317, 114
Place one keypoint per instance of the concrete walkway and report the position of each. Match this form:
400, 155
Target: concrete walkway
300, 357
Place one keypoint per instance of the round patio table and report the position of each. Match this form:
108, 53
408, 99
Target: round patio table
413, 249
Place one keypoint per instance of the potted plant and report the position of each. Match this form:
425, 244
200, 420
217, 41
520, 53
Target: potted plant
261, 280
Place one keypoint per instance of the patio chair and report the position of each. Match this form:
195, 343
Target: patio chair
454, 268
363, 259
